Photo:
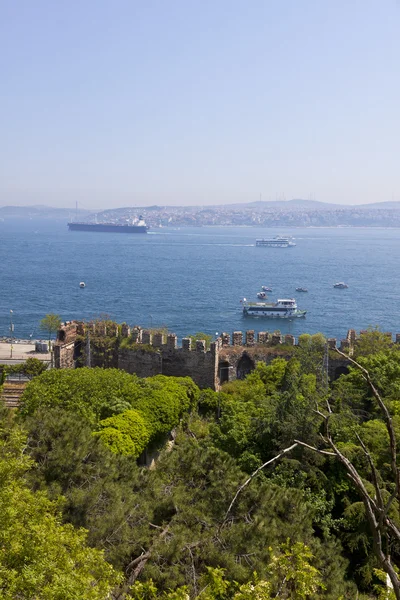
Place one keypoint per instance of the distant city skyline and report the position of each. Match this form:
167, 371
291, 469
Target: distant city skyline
183, 103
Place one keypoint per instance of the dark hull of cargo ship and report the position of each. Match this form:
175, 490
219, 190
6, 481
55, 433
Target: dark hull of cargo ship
107, 228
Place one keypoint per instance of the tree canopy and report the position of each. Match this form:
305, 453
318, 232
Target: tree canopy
41, 558
50, 324
265, 490
126, 412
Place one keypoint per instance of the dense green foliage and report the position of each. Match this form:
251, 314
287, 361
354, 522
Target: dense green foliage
41, 558
50, 324
289, 575
126, 433
92, 393
106, 397
30, 368
200, 335
201, 524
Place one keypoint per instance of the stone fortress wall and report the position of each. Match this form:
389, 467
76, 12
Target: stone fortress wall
152, 353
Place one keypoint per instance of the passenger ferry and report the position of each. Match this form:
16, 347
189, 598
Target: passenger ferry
276, 242
285, 308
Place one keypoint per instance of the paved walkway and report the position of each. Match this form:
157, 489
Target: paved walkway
20, 352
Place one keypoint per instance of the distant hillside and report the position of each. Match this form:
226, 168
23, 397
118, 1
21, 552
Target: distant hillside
296, 204
40, 212
379, 206
310, 205
281, 213
290, 205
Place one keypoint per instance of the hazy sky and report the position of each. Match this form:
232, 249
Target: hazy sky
128, 102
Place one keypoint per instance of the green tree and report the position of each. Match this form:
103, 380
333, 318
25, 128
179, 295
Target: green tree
372, 341
169, 523
192, 489
265, 412
292, 574
126, 433
97, 394
158, 403
310, 352
50, 324
40, 558
369, 458
33, 367
94, 394
289, 576
200, 335
100, 488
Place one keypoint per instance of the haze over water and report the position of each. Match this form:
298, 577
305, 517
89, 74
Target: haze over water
192, 279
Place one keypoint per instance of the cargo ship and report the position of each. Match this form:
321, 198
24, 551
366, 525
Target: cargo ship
130, 226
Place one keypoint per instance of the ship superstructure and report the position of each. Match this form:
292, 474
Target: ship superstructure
276, 242
284, 308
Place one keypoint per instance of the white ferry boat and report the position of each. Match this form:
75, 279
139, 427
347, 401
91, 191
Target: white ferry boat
276, 242
285, 308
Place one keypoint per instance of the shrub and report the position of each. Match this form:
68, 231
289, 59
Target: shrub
126, 433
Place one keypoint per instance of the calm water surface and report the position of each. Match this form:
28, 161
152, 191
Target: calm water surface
192, 279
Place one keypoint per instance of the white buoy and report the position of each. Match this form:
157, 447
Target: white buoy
82, 284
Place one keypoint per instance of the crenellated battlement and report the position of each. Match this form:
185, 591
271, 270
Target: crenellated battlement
159, 339
149, 352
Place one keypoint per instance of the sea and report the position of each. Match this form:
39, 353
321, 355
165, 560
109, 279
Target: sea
191, 280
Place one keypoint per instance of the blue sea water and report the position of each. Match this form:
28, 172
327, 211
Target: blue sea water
192, 279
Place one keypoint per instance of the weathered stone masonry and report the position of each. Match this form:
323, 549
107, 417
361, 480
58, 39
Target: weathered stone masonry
149, 354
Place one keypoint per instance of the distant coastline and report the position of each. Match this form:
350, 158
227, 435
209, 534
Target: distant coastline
279, 214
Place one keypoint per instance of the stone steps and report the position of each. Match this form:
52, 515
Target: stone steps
12, 392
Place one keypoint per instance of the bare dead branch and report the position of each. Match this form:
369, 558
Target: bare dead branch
372, 512
285, 451
374, 475
135, 567
193, 568
386, 415
314, 449
320, 414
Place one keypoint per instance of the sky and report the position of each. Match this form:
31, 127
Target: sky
188, 102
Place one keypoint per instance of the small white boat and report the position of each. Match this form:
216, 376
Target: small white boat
301, 289
266, 289
261, 295
340, 285
82, 284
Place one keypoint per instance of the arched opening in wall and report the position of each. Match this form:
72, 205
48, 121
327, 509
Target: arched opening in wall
245, 366
61, 335
223, 371
341, 371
